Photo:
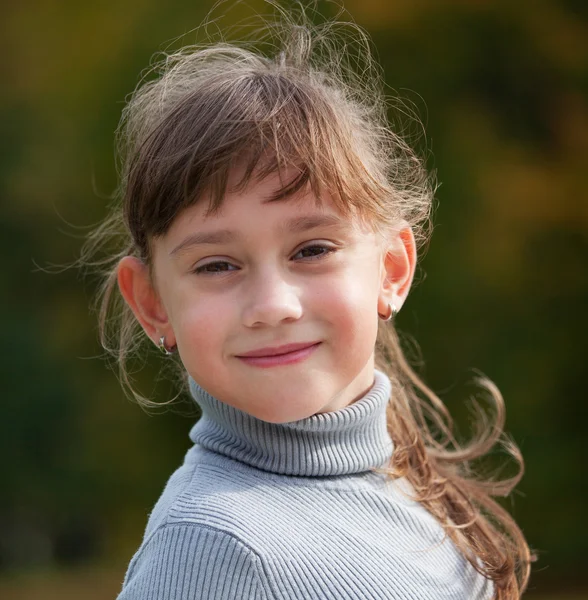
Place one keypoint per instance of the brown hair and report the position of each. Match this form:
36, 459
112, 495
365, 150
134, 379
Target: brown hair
305, 106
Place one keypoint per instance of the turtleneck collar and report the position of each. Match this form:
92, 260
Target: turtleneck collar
349, 440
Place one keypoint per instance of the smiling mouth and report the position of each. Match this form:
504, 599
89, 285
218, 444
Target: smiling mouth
278, 350
300, 353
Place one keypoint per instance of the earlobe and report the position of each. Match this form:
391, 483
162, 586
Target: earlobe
137, 289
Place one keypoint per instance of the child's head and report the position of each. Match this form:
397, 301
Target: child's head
294, 158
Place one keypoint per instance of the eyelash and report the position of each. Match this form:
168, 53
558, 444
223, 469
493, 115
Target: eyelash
327, 251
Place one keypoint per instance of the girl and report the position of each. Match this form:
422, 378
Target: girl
271, 221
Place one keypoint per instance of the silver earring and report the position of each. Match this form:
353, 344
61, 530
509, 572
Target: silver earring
392, 311
164, 349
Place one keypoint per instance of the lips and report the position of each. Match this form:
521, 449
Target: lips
276, 350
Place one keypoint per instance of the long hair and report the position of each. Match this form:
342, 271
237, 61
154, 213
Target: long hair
314, 102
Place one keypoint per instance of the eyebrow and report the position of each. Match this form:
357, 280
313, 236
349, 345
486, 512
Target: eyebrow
224, 236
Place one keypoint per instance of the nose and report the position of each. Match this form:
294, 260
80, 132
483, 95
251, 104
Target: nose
270, 299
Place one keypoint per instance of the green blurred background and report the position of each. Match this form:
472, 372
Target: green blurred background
501, 87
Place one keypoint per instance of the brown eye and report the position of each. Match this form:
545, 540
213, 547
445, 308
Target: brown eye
315, 251
214, 267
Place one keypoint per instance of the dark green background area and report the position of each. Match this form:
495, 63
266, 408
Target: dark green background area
503, 287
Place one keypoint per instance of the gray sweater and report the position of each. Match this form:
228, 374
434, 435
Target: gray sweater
292, 511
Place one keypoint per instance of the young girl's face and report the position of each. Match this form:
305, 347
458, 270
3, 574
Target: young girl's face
261, 275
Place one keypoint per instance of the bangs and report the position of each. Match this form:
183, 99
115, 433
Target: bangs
290, 132
257, 124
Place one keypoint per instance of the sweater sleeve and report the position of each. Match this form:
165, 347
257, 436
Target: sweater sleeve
189, 562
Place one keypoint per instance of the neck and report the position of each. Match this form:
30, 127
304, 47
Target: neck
353, 439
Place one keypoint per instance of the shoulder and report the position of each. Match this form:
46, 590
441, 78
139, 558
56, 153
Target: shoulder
223, 492
202, 482
182, 561
212, 491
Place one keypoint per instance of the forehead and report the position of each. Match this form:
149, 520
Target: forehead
256, 205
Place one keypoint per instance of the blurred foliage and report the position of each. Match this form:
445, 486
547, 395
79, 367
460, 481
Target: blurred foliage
502, 89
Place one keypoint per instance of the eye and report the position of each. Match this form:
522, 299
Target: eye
213, 267
315, 251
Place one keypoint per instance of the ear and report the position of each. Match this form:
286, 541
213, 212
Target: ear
136, 287
398, 268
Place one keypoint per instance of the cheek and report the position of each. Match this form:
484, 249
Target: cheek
352, 305
200, 322
197, 321
201, 333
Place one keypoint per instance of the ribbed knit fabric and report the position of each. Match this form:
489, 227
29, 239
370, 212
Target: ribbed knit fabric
292, 511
